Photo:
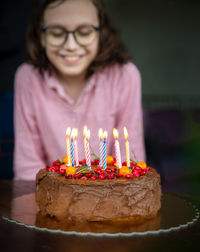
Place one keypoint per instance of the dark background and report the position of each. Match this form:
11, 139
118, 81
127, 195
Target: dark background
163, 37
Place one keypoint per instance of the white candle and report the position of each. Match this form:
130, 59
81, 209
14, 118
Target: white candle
117, 149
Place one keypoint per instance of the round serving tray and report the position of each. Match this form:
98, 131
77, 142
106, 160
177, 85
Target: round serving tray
176, 213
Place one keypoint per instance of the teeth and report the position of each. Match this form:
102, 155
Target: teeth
72, 58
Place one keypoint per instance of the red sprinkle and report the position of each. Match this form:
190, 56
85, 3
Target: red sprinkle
111, 175
56, 163
47, 168
102, 175
119, 175
88, 175
113, 169
108, 170
78, 175
146, 169
98, 170
68, 176
142, 173
133, 164
137, 168
136, 173
128, 176
93, 177
95, 162
54, 168
83, 162
114, 161
62, 171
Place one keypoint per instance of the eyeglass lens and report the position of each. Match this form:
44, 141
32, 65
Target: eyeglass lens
57, 36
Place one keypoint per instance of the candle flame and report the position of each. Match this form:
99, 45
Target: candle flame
73, 133
87, 134
125, 133
105, 134
100, 133
115, 133
76, 132
85, 130
68, 131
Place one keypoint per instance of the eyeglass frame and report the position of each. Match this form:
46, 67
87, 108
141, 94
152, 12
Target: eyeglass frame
43, 29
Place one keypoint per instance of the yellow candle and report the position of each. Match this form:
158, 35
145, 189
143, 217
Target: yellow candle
68, 131
127, 147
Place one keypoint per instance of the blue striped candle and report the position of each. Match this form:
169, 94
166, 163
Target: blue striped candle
72, 152
104, 150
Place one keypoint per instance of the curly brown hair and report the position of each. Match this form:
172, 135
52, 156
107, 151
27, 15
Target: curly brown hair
111, 49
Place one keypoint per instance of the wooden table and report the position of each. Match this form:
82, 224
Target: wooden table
14, 237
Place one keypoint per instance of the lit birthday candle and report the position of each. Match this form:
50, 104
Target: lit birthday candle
117, 149
127, 147
76, 148
72, 146
88, 157
85, 140
101, 146
68, 131
105, 135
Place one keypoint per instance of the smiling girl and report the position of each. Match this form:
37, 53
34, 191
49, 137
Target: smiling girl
77, 73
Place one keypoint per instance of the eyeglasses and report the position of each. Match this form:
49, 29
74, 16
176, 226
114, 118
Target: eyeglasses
57, 36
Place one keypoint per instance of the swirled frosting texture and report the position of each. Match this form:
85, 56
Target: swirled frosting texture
108, 200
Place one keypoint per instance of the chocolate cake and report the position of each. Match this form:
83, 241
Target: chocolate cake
97, 226
132, 198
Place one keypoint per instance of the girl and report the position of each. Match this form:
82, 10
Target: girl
77, 73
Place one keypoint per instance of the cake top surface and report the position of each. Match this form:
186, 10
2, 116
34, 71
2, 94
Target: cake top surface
96, 174
87, 180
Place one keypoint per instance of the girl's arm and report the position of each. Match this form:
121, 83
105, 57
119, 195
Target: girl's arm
28, 152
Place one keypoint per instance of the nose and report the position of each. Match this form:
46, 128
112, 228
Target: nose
70, 43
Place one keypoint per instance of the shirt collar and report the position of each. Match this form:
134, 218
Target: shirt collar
53, 83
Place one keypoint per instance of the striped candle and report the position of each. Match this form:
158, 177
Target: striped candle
105, 135
88, 157
118, 154
117, 149
101, 146
72, 151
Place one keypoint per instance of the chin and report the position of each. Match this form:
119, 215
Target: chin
73, 73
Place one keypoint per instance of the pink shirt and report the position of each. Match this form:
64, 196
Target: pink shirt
43, 111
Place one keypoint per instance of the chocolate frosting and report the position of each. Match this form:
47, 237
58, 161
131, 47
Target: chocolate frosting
133, 199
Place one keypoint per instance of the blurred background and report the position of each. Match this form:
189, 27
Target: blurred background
163, 37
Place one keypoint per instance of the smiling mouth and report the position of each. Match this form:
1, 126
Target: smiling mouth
71, 60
